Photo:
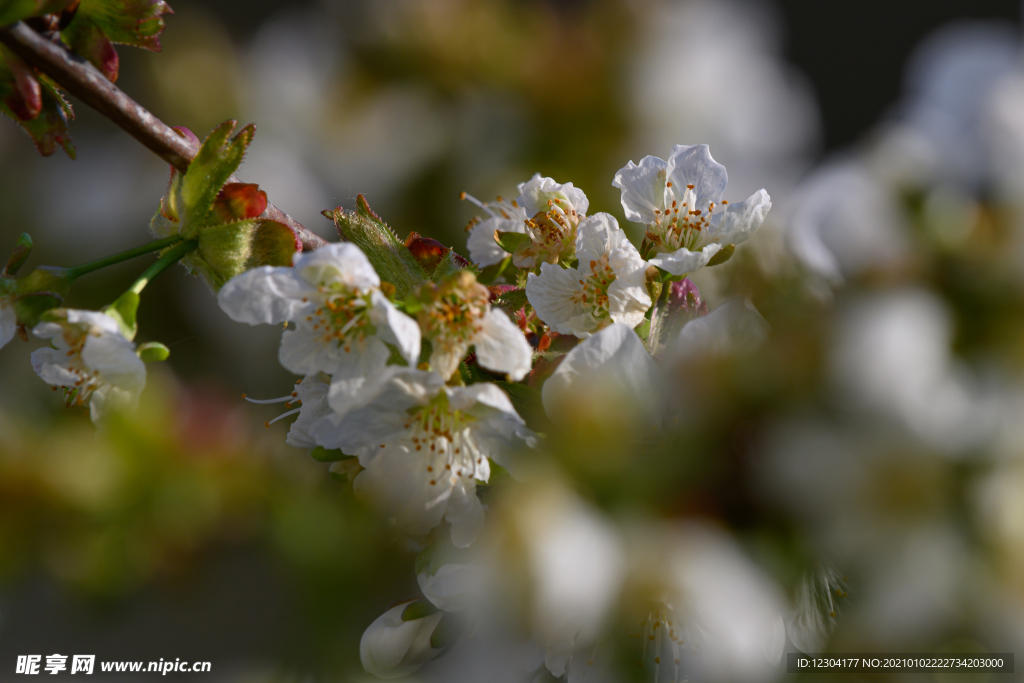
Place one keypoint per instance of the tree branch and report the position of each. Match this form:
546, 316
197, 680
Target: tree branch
84, 81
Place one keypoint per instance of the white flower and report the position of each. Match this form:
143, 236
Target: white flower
342, 319
311, 392
608, 286
424, 446
609, 378
733, 327
92, 360
677, 202
453, 587
392, 647
555, 210
503, 216
456, 315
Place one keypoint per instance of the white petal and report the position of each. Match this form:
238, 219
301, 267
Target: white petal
628, 298
735, 326
597, 236
358, 377
693, 165
304, 351
94, 320
342, 262
501, 346
465, 513
397, 483
391, 648
683, 261
313, 394
395, 327
446, 355
109, 399
453, 587
643, 188
612, 367
551, 294
114, 358
740, 221
535, 193
8, 323
483, 250
52, 367
265, 295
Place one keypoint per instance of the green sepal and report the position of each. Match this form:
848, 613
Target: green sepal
510, 241
124, 310
49, 279
321, 454
643, 330
224, 251
389, 256
723, 255
21, 252
30, 307
448, 266
527, 402
512, 301
153, 352
446, 633
217, 159
492, 272
418, 609
473, 374
48, 128
273, 244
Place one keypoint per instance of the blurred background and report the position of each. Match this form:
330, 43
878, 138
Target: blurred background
878, 428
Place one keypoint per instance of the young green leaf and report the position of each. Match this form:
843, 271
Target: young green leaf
153, 352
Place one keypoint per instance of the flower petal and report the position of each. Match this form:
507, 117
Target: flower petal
683, 261
265, 295
643, 188
735, 326
551, 294
740, 221
453, 587
597, 236
313, 394
501, 346
8, 324
397, 483
613, 367
535, 193
395, 327
693, 165
342, 262
391, 647
465, 513
483, 250
358, 376
114, 358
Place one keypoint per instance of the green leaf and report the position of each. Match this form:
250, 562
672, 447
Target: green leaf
321, 454
723, 255
124, 311
512, 301
527, 402
391, 259
153, 352
447, 633
217, 159
449, 265
510, 241
16, 10
493, 272
86, 38
643, 329
418, 609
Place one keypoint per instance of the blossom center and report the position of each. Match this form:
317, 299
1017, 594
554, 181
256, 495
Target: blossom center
445, 436
680, 224
552, 232
343, 317
454, 310
594, 293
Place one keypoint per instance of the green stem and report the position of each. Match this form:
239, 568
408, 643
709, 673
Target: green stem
123, 256
163, 263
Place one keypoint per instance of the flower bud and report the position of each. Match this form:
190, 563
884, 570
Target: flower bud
392, 647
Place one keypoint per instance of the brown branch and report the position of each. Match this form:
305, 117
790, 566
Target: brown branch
84, 81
